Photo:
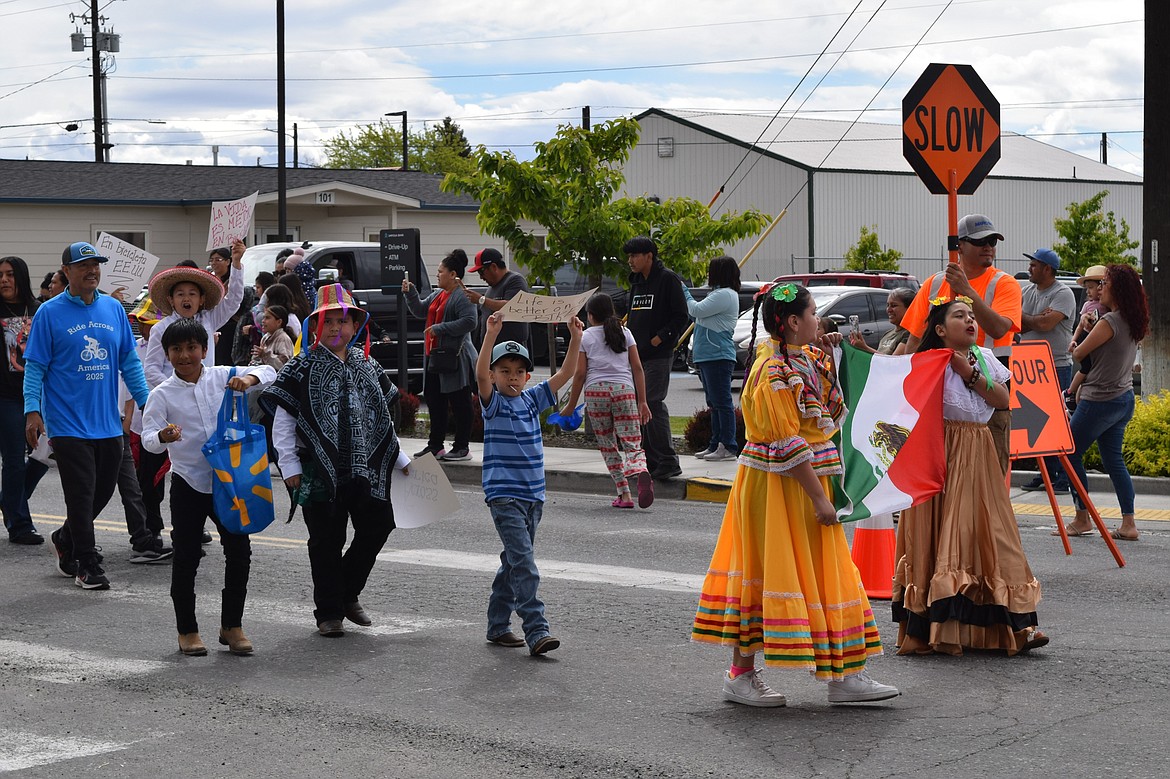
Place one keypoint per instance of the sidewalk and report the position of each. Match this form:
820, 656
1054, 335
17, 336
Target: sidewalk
583, 471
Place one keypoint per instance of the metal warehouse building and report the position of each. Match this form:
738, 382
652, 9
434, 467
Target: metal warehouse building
834, 178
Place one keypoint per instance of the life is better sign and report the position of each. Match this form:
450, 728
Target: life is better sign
527, 307
230, 219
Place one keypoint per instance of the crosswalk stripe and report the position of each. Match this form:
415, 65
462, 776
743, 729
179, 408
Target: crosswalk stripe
69, 666
20, 750
553, 569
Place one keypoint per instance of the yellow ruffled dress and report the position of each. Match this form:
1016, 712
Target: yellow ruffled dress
779, 582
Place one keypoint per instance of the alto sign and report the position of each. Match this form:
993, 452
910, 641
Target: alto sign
950, 121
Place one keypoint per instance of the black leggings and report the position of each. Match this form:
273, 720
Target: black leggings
437, 403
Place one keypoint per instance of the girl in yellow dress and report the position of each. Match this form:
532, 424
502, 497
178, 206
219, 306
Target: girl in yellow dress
781, 581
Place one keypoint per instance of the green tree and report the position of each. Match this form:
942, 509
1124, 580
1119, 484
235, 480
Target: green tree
1091, 237
568, 190
440, 148
867, 253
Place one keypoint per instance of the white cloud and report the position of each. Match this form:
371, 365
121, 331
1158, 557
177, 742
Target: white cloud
1071, 52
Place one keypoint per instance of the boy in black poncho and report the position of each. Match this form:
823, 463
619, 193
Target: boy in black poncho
336, 443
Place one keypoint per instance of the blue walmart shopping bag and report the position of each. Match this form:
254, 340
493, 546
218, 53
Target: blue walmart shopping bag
241, 487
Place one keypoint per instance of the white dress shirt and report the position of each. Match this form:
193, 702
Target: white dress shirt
195, 409
156, 366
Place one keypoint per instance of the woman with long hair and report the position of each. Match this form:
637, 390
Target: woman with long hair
300, 302
893, 342
18, 475
961, 579
1105, 400
610, 373
448, 365
714, 353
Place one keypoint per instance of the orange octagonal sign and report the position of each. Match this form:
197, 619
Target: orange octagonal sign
950, 121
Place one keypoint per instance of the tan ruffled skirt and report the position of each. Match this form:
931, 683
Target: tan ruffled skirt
962, 579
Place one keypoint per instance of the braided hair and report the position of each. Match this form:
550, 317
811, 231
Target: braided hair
774, 312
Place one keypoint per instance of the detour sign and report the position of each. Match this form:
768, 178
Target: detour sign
1039, 421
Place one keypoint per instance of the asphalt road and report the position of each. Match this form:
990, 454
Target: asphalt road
91, 683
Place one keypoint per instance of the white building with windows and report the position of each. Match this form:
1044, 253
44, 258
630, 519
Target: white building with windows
166, 209
834, 177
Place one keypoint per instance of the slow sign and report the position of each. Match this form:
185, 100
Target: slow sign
950, 121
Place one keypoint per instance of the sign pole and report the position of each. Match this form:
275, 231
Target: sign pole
953, 214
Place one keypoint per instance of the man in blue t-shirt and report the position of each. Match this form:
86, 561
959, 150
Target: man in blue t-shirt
513, 478
79, 342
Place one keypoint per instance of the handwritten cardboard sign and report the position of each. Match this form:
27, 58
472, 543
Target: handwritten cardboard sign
129, 266
422, 496
526, 307
230, 219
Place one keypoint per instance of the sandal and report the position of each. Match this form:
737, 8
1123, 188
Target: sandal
1068, 529
623, 504
1033, 639
1116, 534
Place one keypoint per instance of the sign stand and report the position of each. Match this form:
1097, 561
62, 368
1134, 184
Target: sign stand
1084, 496
1040, 428
953, 215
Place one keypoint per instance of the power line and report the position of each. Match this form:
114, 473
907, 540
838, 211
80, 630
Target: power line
623, 68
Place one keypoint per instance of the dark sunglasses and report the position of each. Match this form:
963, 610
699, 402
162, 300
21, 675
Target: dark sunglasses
988, 241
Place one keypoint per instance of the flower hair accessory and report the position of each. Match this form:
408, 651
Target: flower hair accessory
942, 300
785, 293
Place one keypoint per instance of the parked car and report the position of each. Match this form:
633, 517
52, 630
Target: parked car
868, 304
361, 264
842, 278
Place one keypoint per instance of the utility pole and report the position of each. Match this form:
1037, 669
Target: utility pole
1156, 201
99, 41
281, 174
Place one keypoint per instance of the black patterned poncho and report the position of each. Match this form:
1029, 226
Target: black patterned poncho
343, 419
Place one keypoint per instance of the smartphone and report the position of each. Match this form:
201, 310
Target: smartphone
855, 323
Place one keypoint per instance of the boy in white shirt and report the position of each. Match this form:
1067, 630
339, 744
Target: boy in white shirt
181, 415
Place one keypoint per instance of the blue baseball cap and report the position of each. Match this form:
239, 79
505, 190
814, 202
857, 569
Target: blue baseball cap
79, 252
1046, 256
510, 349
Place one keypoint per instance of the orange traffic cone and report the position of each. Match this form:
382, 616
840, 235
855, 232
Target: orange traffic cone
874, 541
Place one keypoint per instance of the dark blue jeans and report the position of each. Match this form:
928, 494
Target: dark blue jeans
716, 378
18, 474
514, 588
1104, 421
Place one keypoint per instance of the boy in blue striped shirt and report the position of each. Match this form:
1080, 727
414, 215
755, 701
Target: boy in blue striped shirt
513, 478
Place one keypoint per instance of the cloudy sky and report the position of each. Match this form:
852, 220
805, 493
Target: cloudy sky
1065, 71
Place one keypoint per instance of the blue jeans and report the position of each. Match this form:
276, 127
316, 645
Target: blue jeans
1104, 421
1055, 469
18, 474
514, 588
716, 378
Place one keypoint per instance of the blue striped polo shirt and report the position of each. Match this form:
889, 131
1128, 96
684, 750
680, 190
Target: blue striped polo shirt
513, 447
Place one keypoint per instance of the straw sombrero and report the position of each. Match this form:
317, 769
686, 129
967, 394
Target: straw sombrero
163, 283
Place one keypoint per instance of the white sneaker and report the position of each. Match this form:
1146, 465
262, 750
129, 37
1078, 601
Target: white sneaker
750, 690
721, 453
860, 688
703, 455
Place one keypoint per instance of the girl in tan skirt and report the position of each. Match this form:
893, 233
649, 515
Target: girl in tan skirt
962, 580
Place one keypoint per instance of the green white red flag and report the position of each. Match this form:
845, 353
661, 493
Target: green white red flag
891, 442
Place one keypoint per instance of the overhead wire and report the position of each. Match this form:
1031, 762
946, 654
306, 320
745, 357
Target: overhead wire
747, 152
776, 115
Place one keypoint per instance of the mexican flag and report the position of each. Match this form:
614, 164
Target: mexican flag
891, 442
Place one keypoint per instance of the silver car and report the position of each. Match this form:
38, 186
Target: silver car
868, 304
